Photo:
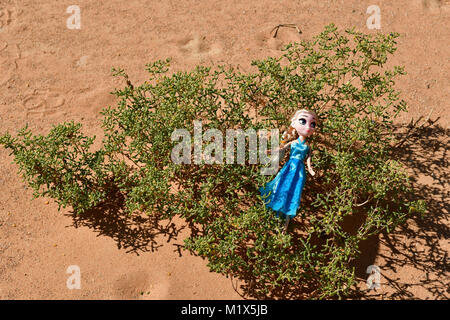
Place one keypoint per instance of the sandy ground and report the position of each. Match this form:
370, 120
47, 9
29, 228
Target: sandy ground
50, 73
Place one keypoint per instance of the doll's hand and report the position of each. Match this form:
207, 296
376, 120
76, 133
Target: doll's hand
311, 172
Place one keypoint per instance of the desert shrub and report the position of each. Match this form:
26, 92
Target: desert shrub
340, 75
60, 165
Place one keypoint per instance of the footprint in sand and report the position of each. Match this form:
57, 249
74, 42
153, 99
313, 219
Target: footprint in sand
276, 37
44, 103
141, 285
5, 18
197, 47
8, 61
436, 6
7, 15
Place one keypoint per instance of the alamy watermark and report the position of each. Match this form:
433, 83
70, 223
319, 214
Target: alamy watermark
374, 21
74, 21
373, 281
213, 153
74, 281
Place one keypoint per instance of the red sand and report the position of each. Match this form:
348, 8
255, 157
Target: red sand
50, 73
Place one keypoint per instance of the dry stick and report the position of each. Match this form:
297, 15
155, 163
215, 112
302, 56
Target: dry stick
289, 25
429, 115
361, 204
235, 286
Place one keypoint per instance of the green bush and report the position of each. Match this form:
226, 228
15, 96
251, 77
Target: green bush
340, 75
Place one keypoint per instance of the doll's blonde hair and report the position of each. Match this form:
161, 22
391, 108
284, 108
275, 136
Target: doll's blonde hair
291, 134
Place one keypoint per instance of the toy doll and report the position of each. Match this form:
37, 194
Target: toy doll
283, 193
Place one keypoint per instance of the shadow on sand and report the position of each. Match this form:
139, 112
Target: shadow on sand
421, 148
134, 232
421, 244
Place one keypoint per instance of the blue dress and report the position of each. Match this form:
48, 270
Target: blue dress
283, 193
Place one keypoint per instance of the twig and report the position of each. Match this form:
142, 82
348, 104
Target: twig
289, 25
235, 287
429, 115
361, 204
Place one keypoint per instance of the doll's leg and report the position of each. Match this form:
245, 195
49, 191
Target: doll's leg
286, 224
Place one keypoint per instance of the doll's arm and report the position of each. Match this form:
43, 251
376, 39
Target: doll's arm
285, 146
308, 162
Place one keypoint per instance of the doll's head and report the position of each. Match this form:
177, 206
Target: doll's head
303, 123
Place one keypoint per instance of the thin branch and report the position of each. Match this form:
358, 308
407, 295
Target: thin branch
289, 25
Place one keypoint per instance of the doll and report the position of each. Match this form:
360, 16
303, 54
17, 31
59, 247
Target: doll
283, 193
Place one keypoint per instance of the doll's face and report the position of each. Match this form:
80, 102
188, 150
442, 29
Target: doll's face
304, 123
